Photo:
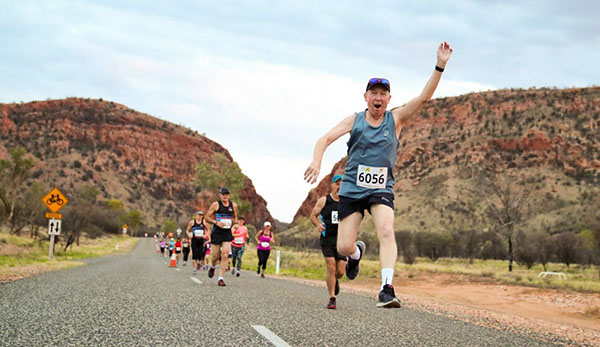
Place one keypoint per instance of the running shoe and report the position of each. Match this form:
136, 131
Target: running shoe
233, 271
211, 272
262, 275
331, 305
337, 288
221, 283
237, 274
195, 272
353, 266
184, 263
387, 298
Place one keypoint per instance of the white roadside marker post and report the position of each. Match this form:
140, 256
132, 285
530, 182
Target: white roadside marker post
277, 264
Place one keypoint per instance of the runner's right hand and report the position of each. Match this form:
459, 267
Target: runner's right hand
312, 172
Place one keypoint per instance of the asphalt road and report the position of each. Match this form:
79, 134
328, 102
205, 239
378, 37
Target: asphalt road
137, 300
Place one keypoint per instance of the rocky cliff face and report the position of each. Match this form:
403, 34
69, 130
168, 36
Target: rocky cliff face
551, 129
146, 162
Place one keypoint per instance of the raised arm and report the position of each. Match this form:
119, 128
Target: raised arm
316, 212
403, 113
345, 126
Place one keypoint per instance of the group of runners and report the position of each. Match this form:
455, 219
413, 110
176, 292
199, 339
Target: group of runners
222, 246
367, 183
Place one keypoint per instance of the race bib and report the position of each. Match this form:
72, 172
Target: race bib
371, 177
334, 217
178, 249
265, 244
226, 223
239, 240
198, 233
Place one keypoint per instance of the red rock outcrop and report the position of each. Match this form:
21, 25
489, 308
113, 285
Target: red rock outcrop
130, 155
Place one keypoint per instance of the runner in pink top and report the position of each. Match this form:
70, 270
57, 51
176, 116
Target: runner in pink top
264, 238
238, 245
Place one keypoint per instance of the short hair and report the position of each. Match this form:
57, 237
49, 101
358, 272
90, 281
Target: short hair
242, 218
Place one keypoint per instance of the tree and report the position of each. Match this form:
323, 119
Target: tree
13, 173
133, 219
168, 226
526, 249
506, 202
224, 173
567, 247
546, 247
79, 214
406, 246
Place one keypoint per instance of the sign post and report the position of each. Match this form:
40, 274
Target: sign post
54, 200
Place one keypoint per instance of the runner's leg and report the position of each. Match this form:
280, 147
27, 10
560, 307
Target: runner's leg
347, 230
383, 217
330, 276
225, 247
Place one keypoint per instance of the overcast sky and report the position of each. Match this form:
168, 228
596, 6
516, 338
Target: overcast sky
266, 79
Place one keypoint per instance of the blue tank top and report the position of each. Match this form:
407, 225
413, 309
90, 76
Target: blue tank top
372, 155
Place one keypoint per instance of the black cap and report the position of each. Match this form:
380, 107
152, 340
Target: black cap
225, 191
379, 82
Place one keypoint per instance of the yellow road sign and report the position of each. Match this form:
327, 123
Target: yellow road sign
52, 215
55, 200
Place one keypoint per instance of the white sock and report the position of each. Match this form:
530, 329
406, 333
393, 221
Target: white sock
220, 278
356, 254
387, 275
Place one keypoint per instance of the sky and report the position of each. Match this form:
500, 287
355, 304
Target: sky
266, 79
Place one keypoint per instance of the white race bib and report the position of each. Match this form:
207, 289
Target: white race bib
239, 240
199, 233
226, 223
334, 217
178, 249
371, 177
265, 244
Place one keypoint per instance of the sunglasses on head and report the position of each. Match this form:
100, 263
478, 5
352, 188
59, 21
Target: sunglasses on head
379, 80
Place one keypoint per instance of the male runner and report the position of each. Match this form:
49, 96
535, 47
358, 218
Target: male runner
325, 217
197, 231
238, 245
368, 181
222, 214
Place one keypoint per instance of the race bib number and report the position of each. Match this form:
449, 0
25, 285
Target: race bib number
371, 177
334, 217
198, 233
239, 240
178, 249
226, 223
265, 244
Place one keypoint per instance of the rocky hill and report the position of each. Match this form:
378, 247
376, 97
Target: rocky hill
146, 162
548, 135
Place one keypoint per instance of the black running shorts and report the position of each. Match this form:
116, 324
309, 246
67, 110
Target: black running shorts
348, 206
330, 251
219, 236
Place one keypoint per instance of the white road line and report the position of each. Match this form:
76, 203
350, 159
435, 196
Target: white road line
269, 335
196, 280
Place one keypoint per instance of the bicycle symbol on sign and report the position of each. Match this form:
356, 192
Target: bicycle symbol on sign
56, 200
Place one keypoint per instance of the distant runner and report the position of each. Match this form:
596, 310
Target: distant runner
186, 250
264, 239
222, 214
325, 217
197, 231
368, 181
238, 245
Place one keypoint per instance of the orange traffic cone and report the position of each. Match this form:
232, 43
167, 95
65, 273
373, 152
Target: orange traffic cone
173, 260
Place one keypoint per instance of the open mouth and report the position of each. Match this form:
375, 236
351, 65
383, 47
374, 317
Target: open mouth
377, 106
